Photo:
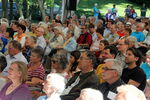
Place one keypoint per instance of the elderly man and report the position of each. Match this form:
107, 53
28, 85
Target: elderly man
40, 39
122, 48
14, 54
86, 78
109, 52
53, 87
85, 38
139, 32
111, 73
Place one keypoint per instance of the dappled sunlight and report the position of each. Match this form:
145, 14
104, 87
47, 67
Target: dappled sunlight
103, 6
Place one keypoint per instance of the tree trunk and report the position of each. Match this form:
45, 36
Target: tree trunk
4, 8
11, 10
64, 10
25, 8
42, 9
19, 5
51, 12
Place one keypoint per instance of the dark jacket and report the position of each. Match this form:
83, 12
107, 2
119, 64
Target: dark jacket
105, 88
87, 80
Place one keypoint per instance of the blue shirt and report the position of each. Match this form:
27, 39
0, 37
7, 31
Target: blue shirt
139, 36
96, 11
146, 69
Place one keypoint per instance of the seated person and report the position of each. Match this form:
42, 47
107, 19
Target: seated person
90, 94
111, 73
85, 38
53, 86
36, 71
70, 43
3, 64
146, 66
86, 78
16, 89
129, 92
133, 74
59, 64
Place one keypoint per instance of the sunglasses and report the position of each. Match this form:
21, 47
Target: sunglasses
106, 68
54, 61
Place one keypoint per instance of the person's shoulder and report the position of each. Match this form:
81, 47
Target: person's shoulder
42, 97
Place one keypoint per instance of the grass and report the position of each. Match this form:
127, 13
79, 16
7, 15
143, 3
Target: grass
85, 7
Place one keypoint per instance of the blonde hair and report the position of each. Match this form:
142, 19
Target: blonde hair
22, 67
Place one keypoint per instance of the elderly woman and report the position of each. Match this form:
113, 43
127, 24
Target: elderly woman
30, 43
36, 71
59, 64
53, 86
16, 89
57, 40
70, 43
90, 94
129, 92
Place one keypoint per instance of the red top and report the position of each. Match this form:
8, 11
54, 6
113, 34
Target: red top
120, 33
88, 39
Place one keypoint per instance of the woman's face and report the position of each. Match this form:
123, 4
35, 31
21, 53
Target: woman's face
99, 35
19, 30
34, 58
72, 59
13, 72
55, 63
28, 41
56, 32
126, 33
101, 46
68, 35
14, 27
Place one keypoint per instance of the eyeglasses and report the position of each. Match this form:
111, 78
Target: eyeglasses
83, 58
121, 44
54, 61
106, 68
82, 28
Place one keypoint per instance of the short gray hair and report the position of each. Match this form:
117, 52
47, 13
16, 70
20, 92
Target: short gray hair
131, 92
92, 94
133, 40
116, 65
57, 81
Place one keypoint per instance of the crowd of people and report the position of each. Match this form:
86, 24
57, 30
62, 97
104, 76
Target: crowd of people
76, 59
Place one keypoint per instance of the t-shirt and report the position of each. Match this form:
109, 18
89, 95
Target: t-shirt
139, 36
146, 69
135, 74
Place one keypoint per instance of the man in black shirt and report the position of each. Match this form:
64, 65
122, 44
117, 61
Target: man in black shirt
111, 73
133, 74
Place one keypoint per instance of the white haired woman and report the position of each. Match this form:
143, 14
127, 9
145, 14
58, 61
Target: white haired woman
90, 94
53, 86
